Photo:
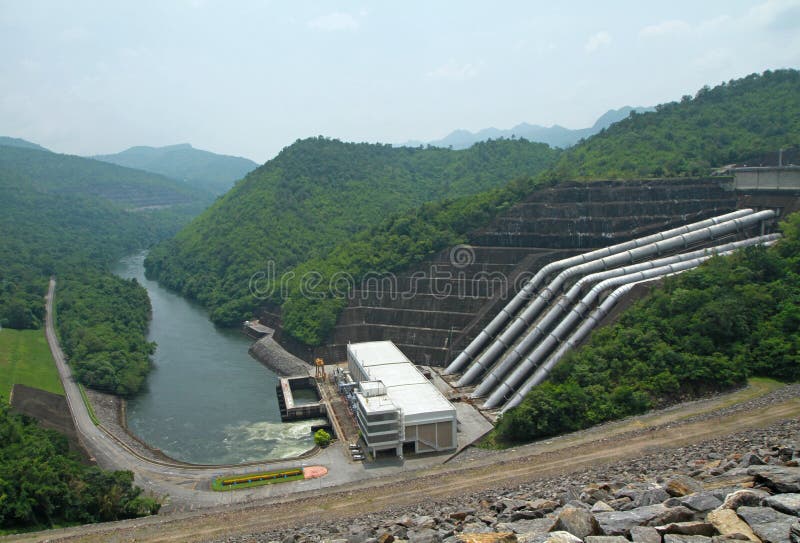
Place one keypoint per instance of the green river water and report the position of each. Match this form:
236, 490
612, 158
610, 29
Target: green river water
206, 401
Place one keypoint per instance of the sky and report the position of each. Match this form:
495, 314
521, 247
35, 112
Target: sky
248, 78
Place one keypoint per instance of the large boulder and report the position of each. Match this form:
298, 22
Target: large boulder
749, 496
728, 523
621, 522
645, 534
692, 527
781, 479
578, 522
700, 501
769, 525
643, 495
679, 538
534, 526
735, 477
671, 515
682, 485
552, 537
497, 537
785, 503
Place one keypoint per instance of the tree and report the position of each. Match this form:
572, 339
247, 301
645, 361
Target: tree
322, 438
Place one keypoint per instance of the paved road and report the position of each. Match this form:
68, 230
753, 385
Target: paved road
187, 487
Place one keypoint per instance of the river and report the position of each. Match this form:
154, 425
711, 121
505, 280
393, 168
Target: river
206, 400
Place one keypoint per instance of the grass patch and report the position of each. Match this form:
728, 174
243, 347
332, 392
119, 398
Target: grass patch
236, 482
25, 359
89, 406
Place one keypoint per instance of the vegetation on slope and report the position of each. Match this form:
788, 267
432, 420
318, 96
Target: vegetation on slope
209, 171
406, 239
719, 126
73, 175
43, 485
314, 296
50, 230
705, 330
314, 195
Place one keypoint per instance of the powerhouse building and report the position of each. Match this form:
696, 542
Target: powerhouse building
395, 404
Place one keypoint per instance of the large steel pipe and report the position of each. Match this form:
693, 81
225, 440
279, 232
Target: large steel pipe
511, 309
550, 318
527, 317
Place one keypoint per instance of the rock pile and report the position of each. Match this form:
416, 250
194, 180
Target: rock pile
698, 494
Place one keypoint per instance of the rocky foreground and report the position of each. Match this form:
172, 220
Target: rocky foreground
744, 487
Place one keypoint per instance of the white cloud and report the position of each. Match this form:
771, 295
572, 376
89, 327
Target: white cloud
776, 14
664, 28
334, 22
597, 41
456, 71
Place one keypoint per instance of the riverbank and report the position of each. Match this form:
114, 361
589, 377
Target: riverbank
110, 412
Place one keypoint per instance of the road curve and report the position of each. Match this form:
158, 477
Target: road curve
674, 427
186, 485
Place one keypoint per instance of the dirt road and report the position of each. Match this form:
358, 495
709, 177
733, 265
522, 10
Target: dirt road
630, 439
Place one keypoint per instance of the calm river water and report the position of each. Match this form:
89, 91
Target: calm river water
207, 401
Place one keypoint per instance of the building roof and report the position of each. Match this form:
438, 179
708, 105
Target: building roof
406, 387
374, 353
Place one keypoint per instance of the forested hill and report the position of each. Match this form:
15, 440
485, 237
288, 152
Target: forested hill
722, 125
315, 194
203, 169
17, 142
72, 175
729, 123
58, 216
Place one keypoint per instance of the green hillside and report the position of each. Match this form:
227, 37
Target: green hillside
18, 142
315, 194
73, 175
727, 124
409, 238
209, 171
66, 224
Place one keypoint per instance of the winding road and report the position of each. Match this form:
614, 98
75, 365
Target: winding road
185, 486
674, 427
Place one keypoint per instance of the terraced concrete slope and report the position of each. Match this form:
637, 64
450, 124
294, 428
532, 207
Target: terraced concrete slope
435, 309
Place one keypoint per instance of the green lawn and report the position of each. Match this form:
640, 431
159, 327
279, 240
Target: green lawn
25, 359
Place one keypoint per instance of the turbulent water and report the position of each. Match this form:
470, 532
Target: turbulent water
207, 401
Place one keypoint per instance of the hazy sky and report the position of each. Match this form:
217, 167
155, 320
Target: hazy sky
249, 78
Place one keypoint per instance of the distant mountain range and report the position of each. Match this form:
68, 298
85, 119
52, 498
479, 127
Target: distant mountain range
554, 136
23, 144
31, 168
203, 169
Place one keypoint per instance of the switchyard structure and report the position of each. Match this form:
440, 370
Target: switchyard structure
396, 406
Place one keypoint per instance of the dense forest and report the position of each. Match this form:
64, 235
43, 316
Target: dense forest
72, 175
203, 169
43, 484
61, 221
722, 125
404, 239
316, 194
705, 330
51, 228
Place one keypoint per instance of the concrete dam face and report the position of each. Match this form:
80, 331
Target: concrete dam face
435, 309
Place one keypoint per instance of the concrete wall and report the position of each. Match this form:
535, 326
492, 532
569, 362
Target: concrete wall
786, 178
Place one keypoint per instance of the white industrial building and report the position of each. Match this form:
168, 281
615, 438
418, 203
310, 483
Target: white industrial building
395, 404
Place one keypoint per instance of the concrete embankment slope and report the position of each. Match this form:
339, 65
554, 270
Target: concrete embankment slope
270, 353
433, 310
